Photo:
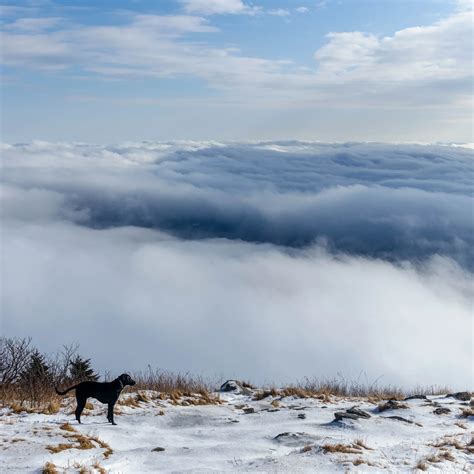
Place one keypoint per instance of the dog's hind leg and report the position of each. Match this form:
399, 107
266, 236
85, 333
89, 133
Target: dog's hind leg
110, 413
81, 403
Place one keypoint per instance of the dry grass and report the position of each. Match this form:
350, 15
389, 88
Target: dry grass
443, 455
421, 465
341, 448
306, 448
60, 447
361, 443
80, 442
108, 451
169, 382
45, 408
53, 407
100, 469
67, 427
466, 412
324, 389
49, 468
453, 442
356, 447
359, 461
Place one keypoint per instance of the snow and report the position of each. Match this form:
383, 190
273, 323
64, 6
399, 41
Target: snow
223, 438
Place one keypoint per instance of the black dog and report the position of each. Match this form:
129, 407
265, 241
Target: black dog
105, 392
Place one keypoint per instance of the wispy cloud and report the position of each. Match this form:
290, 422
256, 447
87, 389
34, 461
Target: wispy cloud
424, 65
219, 7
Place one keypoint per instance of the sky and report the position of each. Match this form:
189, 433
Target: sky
324, 70
263, 190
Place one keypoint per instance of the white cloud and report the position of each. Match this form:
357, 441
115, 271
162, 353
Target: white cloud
168, 249
427, 63
279, 12
420, 53
424, 68
302, 9
218, 7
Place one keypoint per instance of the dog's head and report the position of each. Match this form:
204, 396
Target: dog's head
126, 380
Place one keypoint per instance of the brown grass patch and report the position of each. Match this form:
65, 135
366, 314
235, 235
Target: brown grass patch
67, 427
100, 469
342, 448
49, 468
466, 412
80, 442
453, 442
108, 451
60, 447
261, 394
361, 443
306, 448
422, 466
359, 461
53, 407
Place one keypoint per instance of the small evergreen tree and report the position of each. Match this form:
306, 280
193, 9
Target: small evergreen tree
37, 370
80, 370
37, 377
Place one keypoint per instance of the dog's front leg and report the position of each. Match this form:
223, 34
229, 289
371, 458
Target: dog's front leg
110, 413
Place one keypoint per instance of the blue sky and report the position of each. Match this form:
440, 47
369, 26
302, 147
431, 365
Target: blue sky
368, 70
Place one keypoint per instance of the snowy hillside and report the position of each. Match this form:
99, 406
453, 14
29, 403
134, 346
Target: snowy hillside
241, 433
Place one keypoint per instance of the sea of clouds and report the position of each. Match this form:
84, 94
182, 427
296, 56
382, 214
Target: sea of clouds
269, 261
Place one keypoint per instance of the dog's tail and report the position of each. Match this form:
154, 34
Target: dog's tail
65, 391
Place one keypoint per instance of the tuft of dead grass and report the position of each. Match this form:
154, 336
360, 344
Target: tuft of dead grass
80, 441
49, 468
60, 447
67, 427
108, 451
341, 448
359, 461
421, 465
53, 407
100, 469
467, 412
361, 443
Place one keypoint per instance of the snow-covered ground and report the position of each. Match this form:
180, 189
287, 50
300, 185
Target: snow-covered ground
290, 435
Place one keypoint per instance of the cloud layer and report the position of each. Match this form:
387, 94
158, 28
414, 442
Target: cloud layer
261, 260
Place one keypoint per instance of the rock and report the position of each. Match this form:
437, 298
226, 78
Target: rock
229, 386
249, 410
392, 405
295, 439
158, 449
301, 416
463, 396
442, 411
398, 418
357, 411
340, 415
416, 397
235, 386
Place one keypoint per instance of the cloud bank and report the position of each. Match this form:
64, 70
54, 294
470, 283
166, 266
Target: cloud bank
270, 261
